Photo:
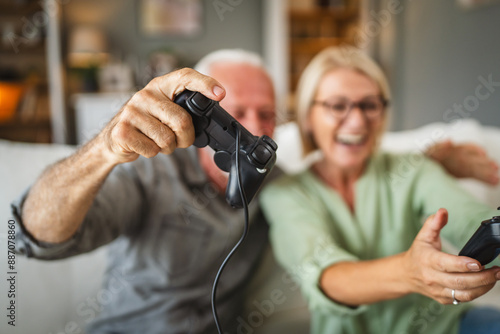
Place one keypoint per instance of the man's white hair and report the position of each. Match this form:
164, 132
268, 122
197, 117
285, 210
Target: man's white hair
236, 56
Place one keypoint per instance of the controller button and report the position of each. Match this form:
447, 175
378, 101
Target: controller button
200, 123
271, 142
261, 154
201, 140
201, 102
223, 160
495, 229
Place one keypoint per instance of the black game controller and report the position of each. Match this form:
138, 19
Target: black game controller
484, 245
216, 128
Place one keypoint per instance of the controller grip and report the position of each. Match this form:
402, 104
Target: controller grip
251, 180
484, 245
484, 253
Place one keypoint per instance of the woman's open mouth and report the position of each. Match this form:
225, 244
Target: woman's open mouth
351, 139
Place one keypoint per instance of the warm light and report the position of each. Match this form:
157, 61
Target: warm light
10, 95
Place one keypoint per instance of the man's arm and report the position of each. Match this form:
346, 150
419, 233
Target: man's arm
148, 124
464, 161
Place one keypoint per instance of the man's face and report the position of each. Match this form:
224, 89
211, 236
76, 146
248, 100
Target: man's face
249, 96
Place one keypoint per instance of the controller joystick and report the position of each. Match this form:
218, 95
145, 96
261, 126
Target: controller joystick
216, 128
484, 245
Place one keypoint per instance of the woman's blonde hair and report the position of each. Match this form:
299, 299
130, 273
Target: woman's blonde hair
327, 60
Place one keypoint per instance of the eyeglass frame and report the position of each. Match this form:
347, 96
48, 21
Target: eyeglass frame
351, 105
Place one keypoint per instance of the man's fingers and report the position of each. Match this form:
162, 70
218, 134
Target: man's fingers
440, 150
150, 122
176, 119
485, 170
155, 130
151, 103
472, 149
158, 95
130, 140
174, 83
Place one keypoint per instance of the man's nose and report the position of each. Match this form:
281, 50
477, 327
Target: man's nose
252, 122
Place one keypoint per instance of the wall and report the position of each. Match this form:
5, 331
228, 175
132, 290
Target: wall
437, 55
240, 25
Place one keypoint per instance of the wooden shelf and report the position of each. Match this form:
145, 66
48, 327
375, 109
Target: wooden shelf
27, 61
309, 45
313, 14
314, 29
32, 132
37, 49
19, 8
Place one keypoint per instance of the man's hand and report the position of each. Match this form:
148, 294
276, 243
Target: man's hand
435, 274
150, 123
465, 160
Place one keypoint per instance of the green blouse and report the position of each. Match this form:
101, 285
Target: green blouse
312, 228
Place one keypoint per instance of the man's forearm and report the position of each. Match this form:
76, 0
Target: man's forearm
59, 200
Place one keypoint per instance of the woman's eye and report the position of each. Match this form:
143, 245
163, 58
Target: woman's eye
369, 106
338, 107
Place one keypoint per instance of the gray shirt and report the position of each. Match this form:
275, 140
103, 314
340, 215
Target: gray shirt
169, 231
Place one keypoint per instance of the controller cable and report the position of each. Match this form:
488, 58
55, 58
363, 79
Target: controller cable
245, 229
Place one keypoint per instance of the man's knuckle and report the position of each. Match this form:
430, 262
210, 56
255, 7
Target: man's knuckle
120, 132
166, 139
146, 150
183, 73
143, 96
185, 122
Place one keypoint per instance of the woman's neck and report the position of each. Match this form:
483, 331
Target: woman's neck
342, 180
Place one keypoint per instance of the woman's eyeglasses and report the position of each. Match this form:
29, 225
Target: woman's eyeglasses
372, 108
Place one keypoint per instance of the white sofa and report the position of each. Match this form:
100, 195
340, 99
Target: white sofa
52, 296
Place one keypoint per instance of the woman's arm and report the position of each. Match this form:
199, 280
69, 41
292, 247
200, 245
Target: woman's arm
423, 269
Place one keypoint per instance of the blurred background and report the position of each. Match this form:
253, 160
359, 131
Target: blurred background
66, 66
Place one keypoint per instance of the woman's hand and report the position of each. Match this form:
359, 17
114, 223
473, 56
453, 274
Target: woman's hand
435, 274
150, 123
465, 160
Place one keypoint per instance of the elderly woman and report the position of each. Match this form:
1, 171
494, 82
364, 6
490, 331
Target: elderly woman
351, 234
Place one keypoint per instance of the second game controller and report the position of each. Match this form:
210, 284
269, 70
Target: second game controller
484, 245
216, 128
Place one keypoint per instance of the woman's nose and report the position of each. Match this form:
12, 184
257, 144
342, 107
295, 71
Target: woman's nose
355, 116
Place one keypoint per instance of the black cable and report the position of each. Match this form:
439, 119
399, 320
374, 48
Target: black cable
245, 229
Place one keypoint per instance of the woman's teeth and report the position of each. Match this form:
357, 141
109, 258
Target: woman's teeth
350, 139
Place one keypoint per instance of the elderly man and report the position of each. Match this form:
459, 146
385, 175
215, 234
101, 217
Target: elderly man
164, 215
